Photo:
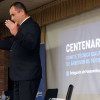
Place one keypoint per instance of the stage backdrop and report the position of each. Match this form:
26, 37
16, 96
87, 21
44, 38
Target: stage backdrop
73, 55
40, 94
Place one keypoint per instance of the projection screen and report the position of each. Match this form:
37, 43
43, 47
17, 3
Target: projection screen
73, 55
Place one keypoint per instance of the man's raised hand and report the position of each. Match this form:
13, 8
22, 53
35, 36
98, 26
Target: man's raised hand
12, 27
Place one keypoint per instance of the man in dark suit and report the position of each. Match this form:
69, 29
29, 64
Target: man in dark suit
24, 45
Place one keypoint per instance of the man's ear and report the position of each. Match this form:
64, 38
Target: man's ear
22, 12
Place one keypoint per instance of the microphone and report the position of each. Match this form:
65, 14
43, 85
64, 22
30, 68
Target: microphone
69, 92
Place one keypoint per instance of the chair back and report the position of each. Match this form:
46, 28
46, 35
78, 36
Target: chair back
51, 93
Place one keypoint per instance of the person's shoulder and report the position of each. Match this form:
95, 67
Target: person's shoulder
30, 23
33, 21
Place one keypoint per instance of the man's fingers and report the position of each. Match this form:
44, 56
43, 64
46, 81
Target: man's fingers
16, 23
12, 27
8, 22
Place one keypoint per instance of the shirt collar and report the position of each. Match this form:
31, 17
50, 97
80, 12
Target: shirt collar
25, 20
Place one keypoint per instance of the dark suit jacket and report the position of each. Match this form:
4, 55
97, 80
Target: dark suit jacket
24, 52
